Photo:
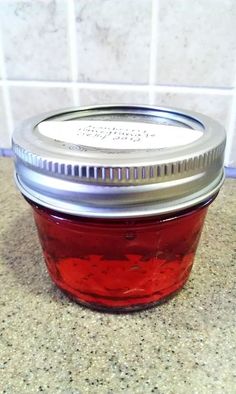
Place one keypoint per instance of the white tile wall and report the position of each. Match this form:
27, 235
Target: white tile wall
35, 39
231, 158
60, 53
113, 40
214, 105
4, 134
231, 144
196, 43
29, 101
112, 96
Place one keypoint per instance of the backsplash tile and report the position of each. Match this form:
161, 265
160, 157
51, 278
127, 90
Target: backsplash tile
4, 132
35, 39
113, 40
32, 101
171, 53
112, 96
214, 105
196, 43
232, 155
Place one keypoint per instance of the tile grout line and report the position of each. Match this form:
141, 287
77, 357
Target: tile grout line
5, 89
71, 25
153, 51
114, 86
230, 132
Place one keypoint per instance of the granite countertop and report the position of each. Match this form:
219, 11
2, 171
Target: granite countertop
50, 344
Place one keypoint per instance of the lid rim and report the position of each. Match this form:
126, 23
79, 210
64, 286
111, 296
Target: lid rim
142, 210
193, 167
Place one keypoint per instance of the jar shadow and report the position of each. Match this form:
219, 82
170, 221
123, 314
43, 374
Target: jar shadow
23, 256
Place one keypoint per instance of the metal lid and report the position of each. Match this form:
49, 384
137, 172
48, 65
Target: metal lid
119, 161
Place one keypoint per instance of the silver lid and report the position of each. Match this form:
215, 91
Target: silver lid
119, 161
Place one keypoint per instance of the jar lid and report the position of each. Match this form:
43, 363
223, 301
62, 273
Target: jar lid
119, 161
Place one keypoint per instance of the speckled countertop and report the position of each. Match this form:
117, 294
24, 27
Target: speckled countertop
50, 344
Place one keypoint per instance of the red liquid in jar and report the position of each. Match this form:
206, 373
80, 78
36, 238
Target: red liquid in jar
119, 263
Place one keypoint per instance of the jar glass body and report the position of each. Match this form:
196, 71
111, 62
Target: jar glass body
119, 264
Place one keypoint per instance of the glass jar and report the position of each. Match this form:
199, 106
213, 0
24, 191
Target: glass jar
119, 196
119, 264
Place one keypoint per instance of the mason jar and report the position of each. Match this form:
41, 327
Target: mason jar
119, 196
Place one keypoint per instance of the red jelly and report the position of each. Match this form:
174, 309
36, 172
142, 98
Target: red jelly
119, 195
119, 263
